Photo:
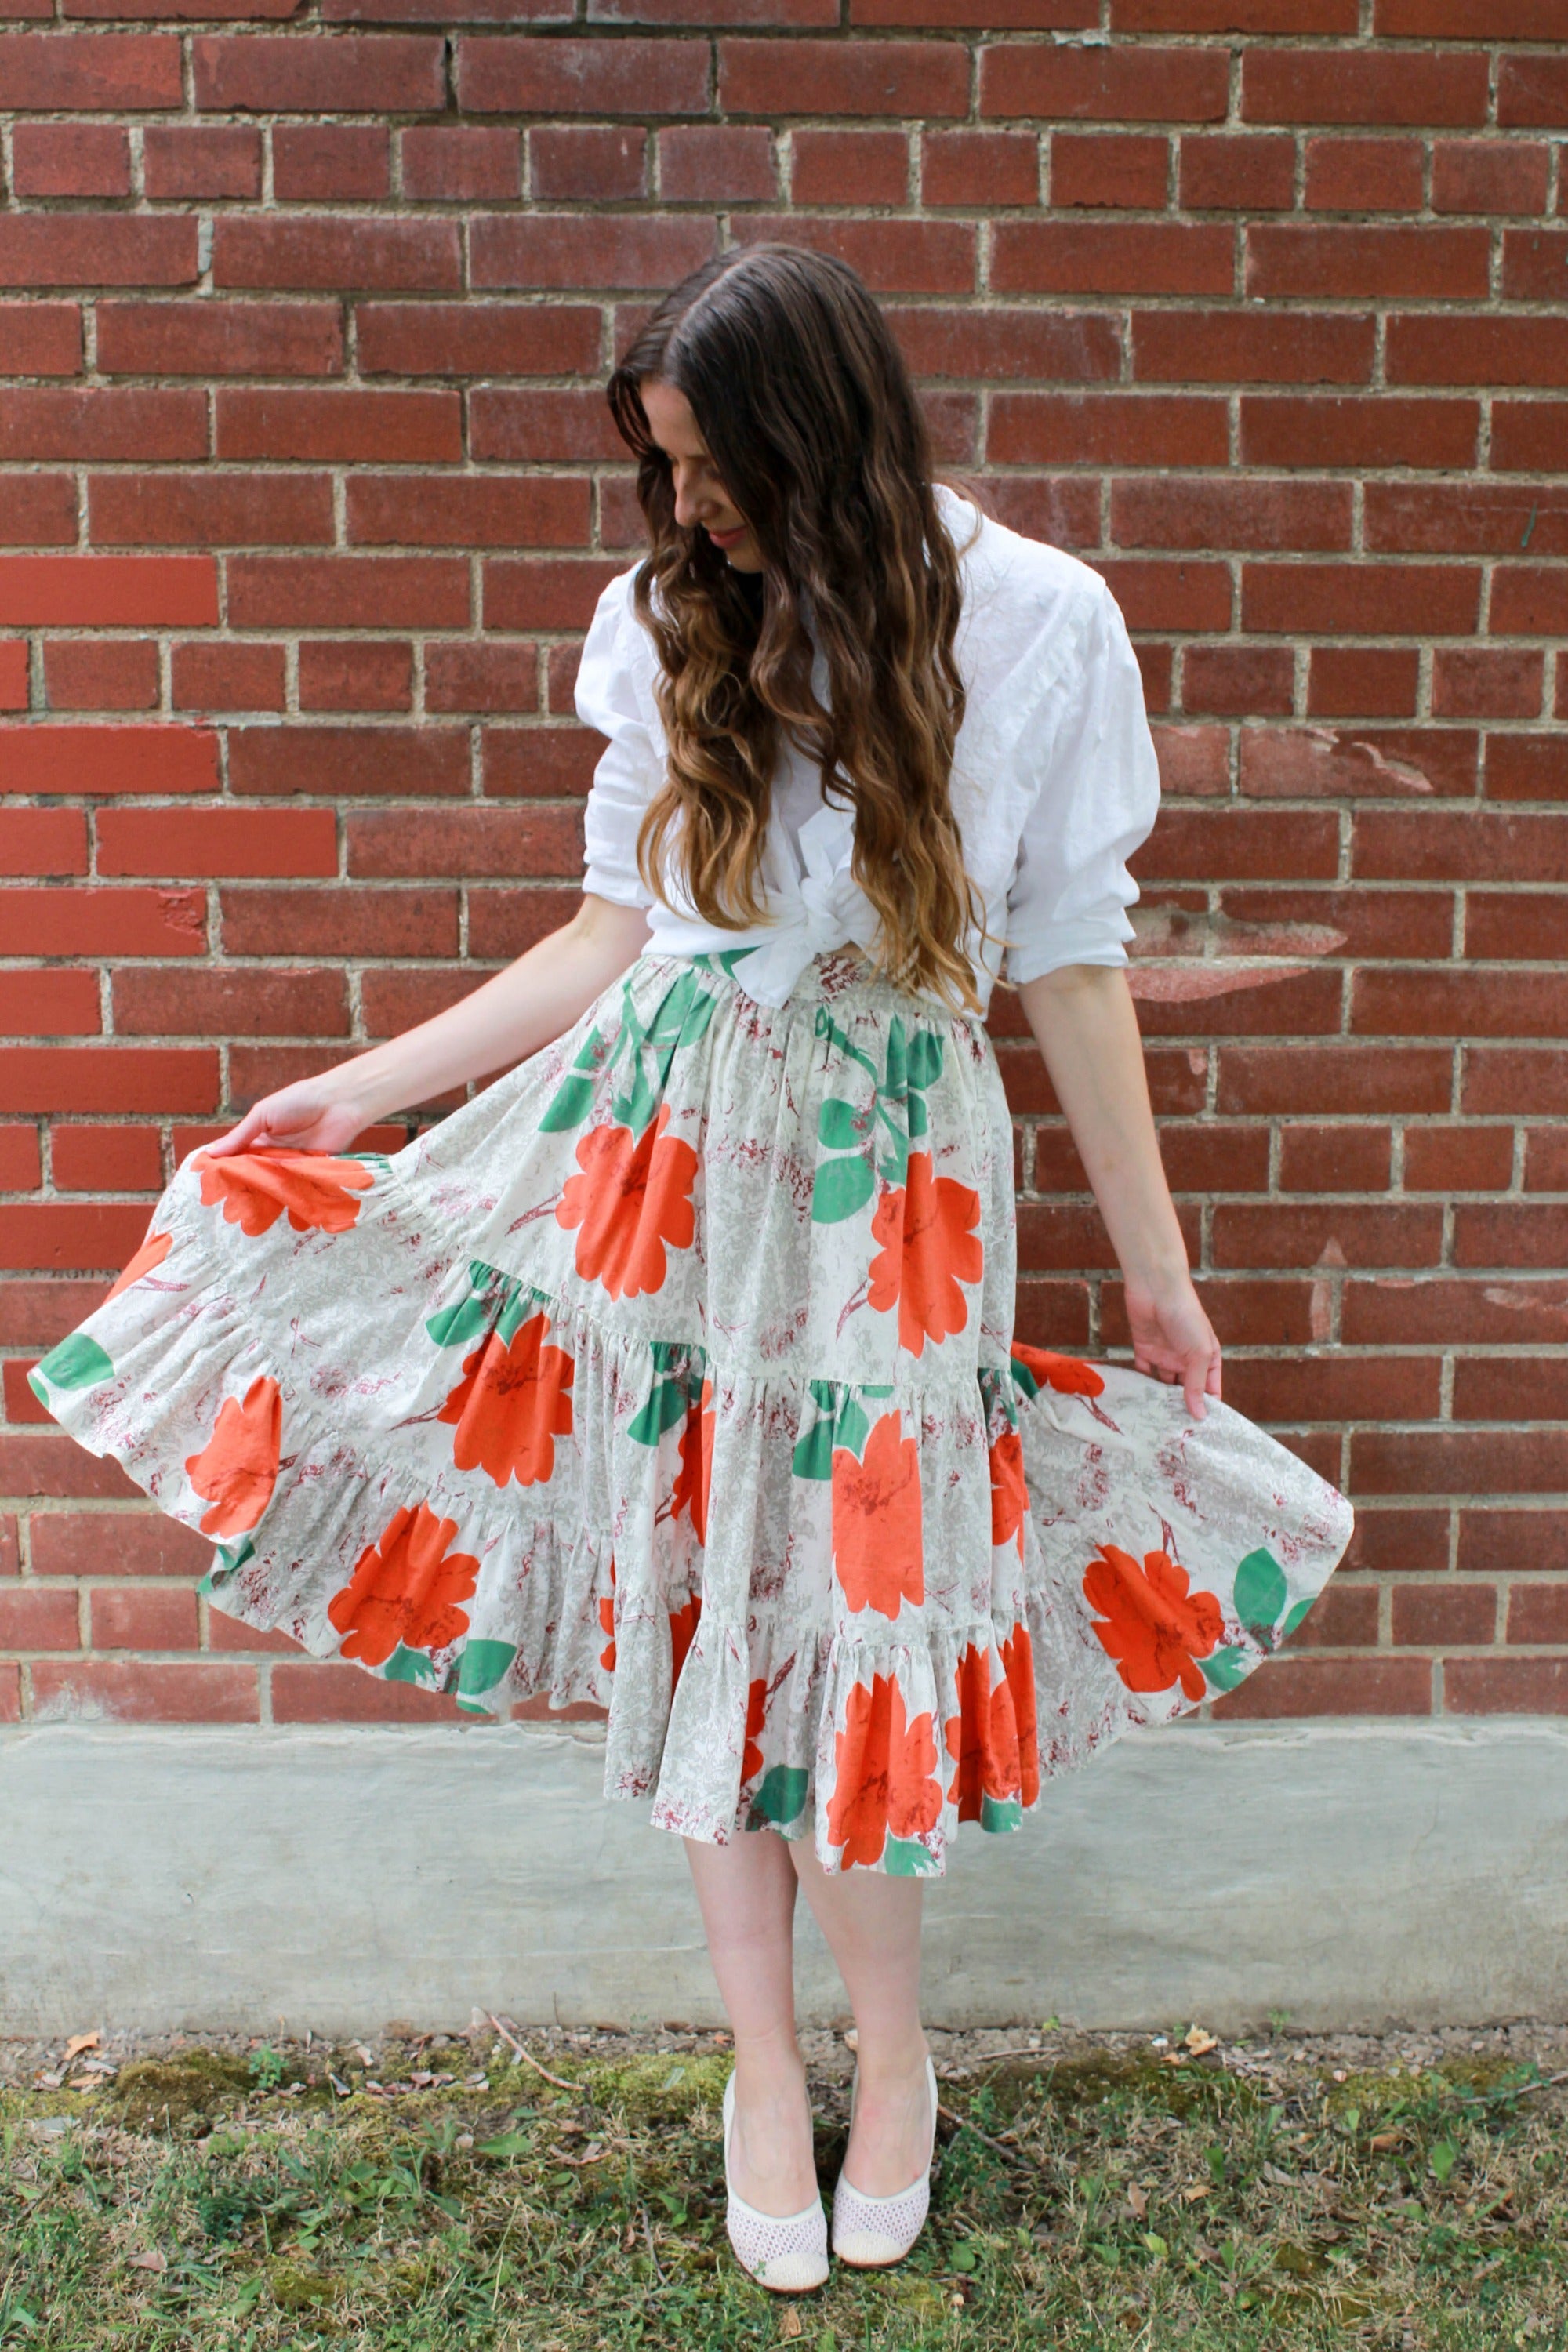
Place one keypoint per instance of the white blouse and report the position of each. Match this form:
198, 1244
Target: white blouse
1054, 779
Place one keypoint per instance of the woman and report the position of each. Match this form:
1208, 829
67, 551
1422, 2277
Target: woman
674, 1371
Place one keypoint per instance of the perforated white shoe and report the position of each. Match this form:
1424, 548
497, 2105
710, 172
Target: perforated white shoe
870, 2232
787, 2254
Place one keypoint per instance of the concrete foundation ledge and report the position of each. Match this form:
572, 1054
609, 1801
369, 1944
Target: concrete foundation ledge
1349, 1875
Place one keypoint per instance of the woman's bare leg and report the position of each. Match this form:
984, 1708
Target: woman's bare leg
746, 1893
872, 1923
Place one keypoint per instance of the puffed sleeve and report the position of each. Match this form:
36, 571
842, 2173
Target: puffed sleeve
631, 768
1098, 799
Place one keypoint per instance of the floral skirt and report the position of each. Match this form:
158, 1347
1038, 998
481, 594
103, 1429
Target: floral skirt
676, 1373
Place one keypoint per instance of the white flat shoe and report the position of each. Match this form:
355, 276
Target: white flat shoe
870, 2232
785, 2253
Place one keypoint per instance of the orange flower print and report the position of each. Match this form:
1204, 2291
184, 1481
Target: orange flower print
682, 1626
1009, 1494
1063, 1374
406, 1589
926, 1227
153, 1253
982, 1738
607, 1623
1155, 1629
883, 1768
236, 1469
256, 1187
513, 1406
1018, 1665
694, 1476
632, 1201
877, 1535
756, 1716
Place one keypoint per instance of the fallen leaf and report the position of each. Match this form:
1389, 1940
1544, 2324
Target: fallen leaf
791, 2325
1385, 2139
1198, 2041
78, 2042
153, 2262
1199, 2189
48, 2082
1137, 2200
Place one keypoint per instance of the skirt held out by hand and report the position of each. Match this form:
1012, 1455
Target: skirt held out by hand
676, 1373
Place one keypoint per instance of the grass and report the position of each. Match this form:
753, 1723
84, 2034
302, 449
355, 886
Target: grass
1106, 2198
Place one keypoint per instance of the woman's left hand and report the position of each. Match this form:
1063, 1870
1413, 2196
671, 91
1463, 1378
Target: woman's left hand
1173, 1339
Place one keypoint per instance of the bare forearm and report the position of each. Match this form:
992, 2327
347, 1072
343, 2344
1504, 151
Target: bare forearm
1085, 1026
519, 1009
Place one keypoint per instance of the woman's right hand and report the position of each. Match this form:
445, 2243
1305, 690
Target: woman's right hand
312, 1116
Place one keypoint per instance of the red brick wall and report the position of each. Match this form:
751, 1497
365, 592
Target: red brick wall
306, 488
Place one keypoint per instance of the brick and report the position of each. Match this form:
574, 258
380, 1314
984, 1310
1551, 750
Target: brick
133, 1617
344, 675
149, 426
1527, 437
330, 162
866, 77
56, 1238
1398, 1542
1235, 16
447, 165
574, 250
208, 338
1538, 1613
1431, 1616
1241, 347
1464, 519
1533, 263
1193, 760
539, 763
188, 844
1345, 1616
1505, 1686
333, 1694
1470, 20
39, 1618
1212, 512
1509, 1232
1334, 1159
1236, 171
1111, 257
340, 73
489, 843
39, 1080
1457, 1159
355, 922
1303, 1388
1489, 175
153, 1003
97, 250
988, 168
10, 1551
1258, 844
1350, 599
327, 591
52, 1004
192, 159
850, 167
1440, 88
130, 759
45, 1465
103, 922
1284, 258
97, 674
1460, 1003
21, 1408
1532, 92
140, 1693
1353, 681
712, 162
596, 165
106, 1159
1102, 84
1238, 681
1181, 1000
313, 250
39, 511
1461, 846
1531, 1542
35, 1314
1290, 1687
227, 677
515, 424
509, 76
69, 159
453, 338
1545, 1159
42, 841
15, 689
349, 759
117, 73
396, 1001
1110, 427
1486, 682
1526, 768
1509, 1388
1460, 1462
1169, 595
1424, 349
107, 591
21, 1170
509, 922
212, 509
226, 1633
1514, 1079
1298, 1235
1125, 169
39, 338
544, 593
1068, 347
1012, 16
482, 676
1365, 175
340, 426
1335, 1078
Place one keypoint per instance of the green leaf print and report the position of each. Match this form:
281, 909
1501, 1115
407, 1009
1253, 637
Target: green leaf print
925, 1058
677, 1373
227, 1560
841, 1188
813, 1456
76, 1363
838, 1420
896, 1081
482, 1666
496, 1301
406, 1665
851, 1426
1259, 1589
1225, 1668
838, 1125
907, 1858
779, 1797
569, 1105
1300, 1611
1000, 1814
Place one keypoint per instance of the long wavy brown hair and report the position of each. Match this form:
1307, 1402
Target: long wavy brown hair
807, 408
